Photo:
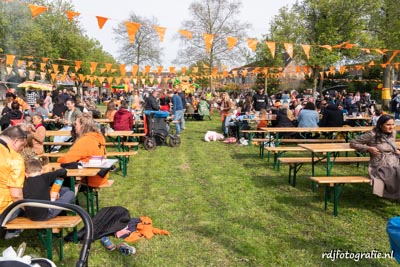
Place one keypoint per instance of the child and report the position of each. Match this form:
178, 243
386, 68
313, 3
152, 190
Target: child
37, 186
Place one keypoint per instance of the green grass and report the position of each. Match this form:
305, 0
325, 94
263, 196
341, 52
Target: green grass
224, 206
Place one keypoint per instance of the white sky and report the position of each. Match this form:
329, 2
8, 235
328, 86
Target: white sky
169, 14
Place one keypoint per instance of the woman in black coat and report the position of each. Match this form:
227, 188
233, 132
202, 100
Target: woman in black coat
331, 117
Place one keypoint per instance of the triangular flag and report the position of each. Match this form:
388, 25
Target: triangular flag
30, 63
55, 68
101, 21
306, 49
151, 80
37, 10
10, 59
109, 80
171, 69
252, 44
81, 77
65, 68
122, 69
205, 66
78, 64
20, 62
134, 80
159, 80
132, 28
244, 73
372, 63
327, 47
102, 70
42, 75
143, 81
9, 70
108, 66
159, 69
71, 14
379, 51
183, 70
271, 46
161, 32
31, 74
232, 41
147, 69
195, 69
53, 77
208, 39
393, 56
42, 66
289, 49
186, 34
93, 66
21, 73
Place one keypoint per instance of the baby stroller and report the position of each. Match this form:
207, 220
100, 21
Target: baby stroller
157, 130
87, 240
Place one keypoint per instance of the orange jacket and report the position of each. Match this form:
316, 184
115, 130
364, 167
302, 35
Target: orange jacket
90, 144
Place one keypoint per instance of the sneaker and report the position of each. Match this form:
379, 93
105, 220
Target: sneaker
113, 168
107, 243
125, 249
13, 233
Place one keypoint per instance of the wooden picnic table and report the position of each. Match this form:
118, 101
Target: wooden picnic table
58, 133
103, 121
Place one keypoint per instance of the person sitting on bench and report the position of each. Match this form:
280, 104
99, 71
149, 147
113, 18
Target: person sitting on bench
37, 186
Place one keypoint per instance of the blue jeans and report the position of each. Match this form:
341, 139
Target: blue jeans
178, 116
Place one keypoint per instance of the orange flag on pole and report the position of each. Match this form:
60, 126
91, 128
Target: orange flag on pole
161, 32
101, 21
10, 59
306, 49
271, 46
208, 39
37, 10
252, 44
71, 14
232, 41
186, 34
132, 28
289, 49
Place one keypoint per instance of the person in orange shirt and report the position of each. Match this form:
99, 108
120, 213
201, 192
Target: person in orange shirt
90, 142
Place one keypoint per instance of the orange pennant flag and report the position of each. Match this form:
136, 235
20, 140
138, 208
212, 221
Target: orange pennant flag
372, 63
81, 77
195, 69
108, 66
93, 66
31, 74
143, 81
342, 69
42, 66
225, 73
118, 80
10, 59
183, 70
171, 69
289, 49
306, 49
244, 73
37, 10
101, 21
379, 51
232, 41
186, 34
9, 70
208, 39
55, 68
205, 66
53, 77
132, 28
135, 69
349, 46
122, 69
30, 63
159, 69
393, 56
102, 70
20, 62
65, 67
78, 64
71, 14
161, 32
109, 80
147, 69
252, 44
45, 59
271, 46
214, 71
327, 47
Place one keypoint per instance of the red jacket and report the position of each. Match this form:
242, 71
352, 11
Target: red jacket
123, 120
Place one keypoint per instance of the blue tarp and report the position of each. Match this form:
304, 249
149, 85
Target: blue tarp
157, 113
393, 230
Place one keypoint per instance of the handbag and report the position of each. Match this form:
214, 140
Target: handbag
17, 121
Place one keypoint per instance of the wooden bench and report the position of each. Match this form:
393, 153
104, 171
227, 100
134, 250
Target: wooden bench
295, 164
337, 182
56, 225
92, 196
280, 150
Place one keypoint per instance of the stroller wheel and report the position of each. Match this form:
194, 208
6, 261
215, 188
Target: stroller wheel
149, 143
174, 140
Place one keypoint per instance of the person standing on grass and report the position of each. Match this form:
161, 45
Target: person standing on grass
177, 110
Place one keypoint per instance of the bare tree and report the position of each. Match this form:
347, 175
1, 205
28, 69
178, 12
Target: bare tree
145, 49
217, 17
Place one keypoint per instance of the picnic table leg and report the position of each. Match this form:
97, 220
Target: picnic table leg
328, 164
48, 244
250, 139
61, 245
336, 199
313, 184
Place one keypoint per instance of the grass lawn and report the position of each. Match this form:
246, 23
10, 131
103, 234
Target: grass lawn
224, 206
